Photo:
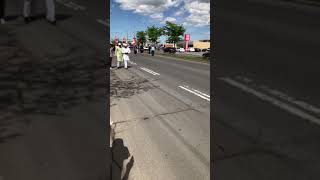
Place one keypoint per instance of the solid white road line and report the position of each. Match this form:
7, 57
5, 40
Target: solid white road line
150, 71
196, 92
283, 96
292, 100
274, 101
102, 22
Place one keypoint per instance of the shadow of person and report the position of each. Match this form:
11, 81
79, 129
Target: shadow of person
122, 161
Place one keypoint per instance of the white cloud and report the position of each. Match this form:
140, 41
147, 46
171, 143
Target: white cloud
180, 12
170, 19
157, 16
148, 7
199, 13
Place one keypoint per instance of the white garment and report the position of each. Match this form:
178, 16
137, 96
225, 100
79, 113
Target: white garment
50, 7
126, 52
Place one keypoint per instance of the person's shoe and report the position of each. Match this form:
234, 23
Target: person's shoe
27, 20
2, 21
52, 22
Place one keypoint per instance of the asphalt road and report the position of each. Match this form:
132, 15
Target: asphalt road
59, 127
176, 136
266, 116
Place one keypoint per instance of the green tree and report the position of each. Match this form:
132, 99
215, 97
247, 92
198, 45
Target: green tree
141, 37
154, 33
174, 32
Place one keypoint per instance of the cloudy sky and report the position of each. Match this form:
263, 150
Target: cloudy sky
129, 16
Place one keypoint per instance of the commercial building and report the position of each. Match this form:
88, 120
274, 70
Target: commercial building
201, 44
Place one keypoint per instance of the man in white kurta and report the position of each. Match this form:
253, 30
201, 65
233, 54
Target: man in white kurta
50, 7
126, 51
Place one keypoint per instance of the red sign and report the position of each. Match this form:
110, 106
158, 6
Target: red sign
187, 37
134, 40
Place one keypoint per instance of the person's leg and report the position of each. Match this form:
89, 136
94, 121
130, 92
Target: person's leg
51, 15
27, 8
125, 64
110, 62
118, 64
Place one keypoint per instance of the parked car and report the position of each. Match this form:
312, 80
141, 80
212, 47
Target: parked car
197, 50
204, 50
145, 48
169, 50
206, 55
182, 50
191, 49
208, 49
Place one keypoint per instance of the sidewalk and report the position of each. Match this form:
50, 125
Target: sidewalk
53, 117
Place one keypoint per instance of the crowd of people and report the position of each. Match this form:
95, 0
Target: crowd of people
50, 11
122, 50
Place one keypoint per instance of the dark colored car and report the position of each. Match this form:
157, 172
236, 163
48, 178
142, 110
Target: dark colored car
169, 50
206, 55
204, 50
197, 50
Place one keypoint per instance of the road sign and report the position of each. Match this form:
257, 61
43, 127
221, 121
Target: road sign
134, 40
187, 37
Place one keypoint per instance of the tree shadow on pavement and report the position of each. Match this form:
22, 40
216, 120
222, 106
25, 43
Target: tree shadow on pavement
122, 161
129, 87
29, 86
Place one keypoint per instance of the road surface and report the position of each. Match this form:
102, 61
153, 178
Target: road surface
266, 92
53, 114
160, 107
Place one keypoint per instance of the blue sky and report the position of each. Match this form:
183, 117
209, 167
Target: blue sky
129, 16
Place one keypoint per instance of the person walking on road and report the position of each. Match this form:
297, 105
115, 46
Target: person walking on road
50, 11
2, 11
152, 50
141, 49
149, 47
126, 51
118, 52
135, 49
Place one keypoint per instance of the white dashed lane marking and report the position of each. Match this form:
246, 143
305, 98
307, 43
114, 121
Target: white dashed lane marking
196, 92
150, 71
72, 5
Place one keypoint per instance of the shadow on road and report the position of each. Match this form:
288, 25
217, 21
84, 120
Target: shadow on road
122, 160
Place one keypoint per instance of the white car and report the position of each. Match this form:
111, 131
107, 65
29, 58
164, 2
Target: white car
192, 50
182, 50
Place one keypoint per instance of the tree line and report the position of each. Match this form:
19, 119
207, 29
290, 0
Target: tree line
174, 33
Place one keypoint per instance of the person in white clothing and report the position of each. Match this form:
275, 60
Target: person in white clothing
126, 51
50, 6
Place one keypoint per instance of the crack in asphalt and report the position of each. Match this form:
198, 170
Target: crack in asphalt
144, 118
